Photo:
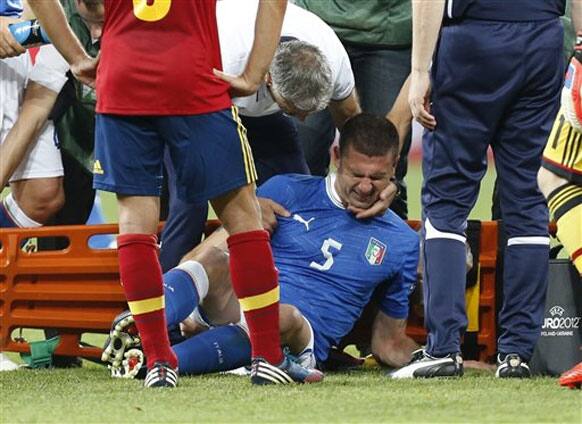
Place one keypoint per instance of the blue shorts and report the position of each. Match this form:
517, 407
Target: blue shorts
210, 154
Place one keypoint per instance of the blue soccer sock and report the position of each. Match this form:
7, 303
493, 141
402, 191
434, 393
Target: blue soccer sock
6, 220
184, 288
219, 349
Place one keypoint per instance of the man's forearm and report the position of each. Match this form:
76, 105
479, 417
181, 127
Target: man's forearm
344, 109
426, 24
400, 114
267, 34
52, 18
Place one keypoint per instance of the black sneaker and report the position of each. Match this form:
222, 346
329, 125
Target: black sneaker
424, 365
511, 366
161, 375
287, 372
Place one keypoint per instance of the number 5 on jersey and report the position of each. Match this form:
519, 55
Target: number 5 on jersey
155, 11
326, 250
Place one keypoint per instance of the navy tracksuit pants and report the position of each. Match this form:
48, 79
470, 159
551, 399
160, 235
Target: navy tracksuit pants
493, 84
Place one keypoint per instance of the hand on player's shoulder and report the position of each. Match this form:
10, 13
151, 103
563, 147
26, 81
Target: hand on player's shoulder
269, 212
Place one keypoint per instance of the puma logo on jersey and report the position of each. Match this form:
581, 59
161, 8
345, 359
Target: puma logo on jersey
97, 168
298, 218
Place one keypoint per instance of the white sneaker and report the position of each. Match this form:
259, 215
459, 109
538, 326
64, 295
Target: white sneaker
6, 364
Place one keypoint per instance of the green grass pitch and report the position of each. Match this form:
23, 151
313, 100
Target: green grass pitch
88, 395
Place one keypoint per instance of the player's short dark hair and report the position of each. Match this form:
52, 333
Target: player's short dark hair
370, 135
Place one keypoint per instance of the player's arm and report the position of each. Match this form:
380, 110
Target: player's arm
52, 18
342, 110
36, 107
400, 114
426, 24
390, 344
9, 47
268, 25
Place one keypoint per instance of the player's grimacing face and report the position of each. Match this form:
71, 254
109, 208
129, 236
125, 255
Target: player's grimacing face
361, 178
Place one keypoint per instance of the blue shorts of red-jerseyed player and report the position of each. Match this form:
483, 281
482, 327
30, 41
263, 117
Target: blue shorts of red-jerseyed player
210, 153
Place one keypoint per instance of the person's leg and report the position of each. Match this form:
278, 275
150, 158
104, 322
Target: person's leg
36, 199
276, 147
185, 225
317, 133
560, 181
201, 277
380, 74
518, 150
565, 203
228, 347
297, 335
32, 202
454, 162
129, 151
36, 184
253, 274
141, 274
222, 168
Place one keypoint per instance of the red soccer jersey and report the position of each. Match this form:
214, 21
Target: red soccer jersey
157, 58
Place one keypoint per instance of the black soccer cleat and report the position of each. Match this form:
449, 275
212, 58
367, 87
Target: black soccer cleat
161, 375
287, 372
424, 365
511, 366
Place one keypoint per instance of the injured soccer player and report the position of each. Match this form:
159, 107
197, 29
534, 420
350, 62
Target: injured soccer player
329, 264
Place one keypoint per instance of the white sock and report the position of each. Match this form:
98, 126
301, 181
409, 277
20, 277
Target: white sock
18, 215
199, 276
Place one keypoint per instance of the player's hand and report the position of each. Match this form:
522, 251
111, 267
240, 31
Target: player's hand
380, 207
240, 85
269, 212
419, 99
9, 47
85, 70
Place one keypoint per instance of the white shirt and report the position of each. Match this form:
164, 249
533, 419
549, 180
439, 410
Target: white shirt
48, 70
236, 30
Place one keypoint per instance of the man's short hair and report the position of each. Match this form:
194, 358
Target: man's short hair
301, 75
370, 135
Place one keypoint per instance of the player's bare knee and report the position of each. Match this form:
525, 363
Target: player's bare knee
40, 199
215, 263
290, 319
239, 210
138, 214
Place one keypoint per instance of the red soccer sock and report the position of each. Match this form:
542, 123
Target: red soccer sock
254, 280
141, 278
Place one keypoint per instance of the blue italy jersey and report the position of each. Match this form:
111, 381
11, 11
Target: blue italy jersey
12, 8
330, 263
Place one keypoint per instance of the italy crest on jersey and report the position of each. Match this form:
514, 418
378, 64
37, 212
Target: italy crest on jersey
375, 251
